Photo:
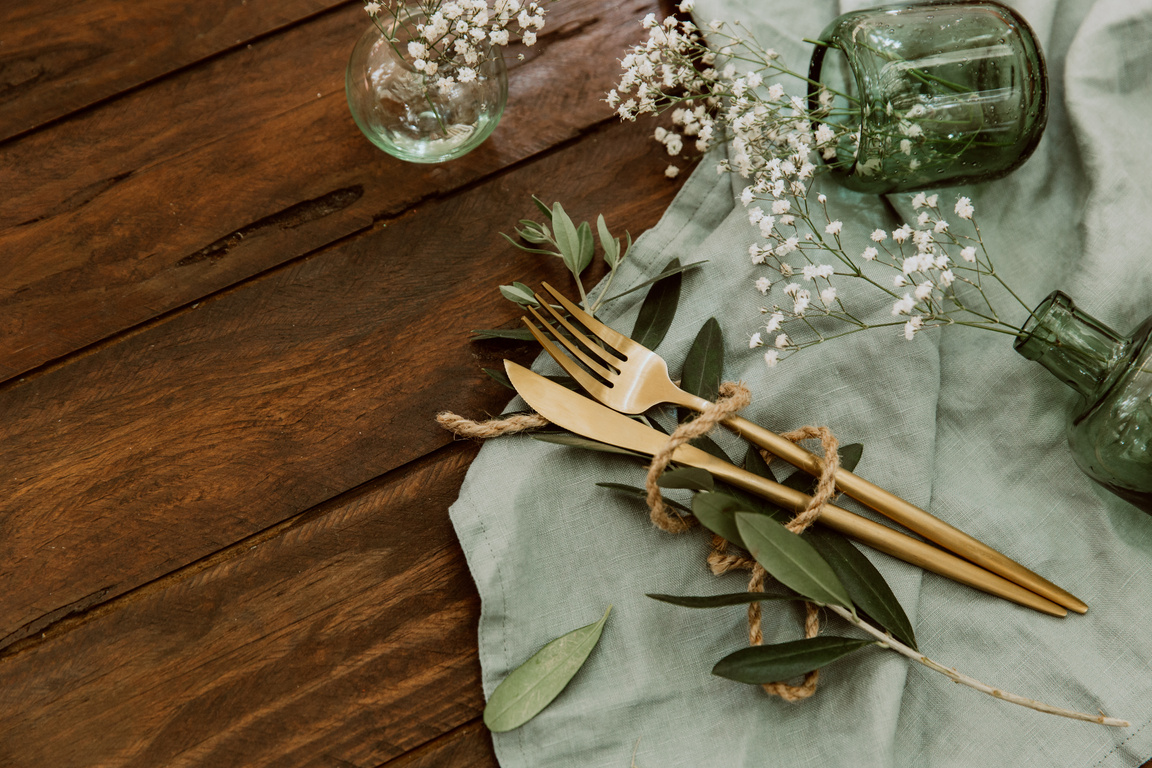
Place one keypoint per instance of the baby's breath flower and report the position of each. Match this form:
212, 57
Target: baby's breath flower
904, 305
879, 235
964, 208
914, 323
755, 341
968, 254
781, 341
671, 171
771, 357
774, 321
763, 285
834, 227
870, 254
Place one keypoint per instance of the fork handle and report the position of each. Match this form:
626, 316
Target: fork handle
908, 515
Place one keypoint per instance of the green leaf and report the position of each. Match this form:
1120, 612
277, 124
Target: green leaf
721, 601
864, 583
791, 560
704, 363
642, 494
611, 245
850, 455
754, 463
535, 683
774, 663
534, 232
658, 310
688, 478
587, 245
519, 334
578, 441
519, 293
717, 513
525, 248
543, 207
499, 377
667, 271
567, 239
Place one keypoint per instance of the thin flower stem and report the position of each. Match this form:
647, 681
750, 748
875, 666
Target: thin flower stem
892, 643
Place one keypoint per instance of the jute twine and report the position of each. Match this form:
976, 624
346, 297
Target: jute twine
733, 398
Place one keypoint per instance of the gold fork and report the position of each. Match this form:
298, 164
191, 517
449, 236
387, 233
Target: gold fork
633, 378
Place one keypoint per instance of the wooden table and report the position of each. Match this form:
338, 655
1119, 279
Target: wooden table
226, 324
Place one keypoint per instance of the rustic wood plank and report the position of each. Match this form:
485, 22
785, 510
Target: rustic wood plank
248, 408
470, 745
56, 58
200, 181
345, 637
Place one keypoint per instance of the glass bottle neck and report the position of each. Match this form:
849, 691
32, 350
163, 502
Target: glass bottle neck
1075, 347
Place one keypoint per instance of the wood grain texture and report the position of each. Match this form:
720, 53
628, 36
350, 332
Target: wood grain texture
56, 58
470, 745
264, 401
346, 638
241, 164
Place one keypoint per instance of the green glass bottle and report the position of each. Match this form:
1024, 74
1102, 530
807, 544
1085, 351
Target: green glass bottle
1110, 429
929, 95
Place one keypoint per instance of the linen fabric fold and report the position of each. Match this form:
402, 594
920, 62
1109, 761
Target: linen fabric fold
954, 421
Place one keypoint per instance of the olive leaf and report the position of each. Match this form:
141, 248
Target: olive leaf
773, 663
717, 512
791, 560
704, 363
587, 247
535, 683
543, 207
573, 440
686, 478
720, 601
658, 310
519, 293
666, 272
754, 463
611, 245
640, 493
567, 238
867, 588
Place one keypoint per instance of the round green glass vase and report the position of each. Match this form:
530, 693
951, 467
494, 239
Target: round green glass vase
930, 95
1110, 429
407, 113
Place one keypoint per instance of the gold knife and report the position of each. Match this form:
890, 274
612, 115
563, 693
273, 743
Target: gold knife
589, 418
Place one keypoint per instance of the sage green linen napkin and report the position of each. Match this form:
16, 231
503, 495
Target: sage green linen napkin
954, 421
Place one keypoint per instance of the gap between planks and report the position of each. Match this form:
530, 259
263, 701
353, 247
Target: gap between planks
236, 550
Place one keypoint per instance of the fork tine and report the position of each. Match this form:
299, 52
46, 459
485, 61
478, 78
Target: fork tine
573, 348
611, 357
590, 385
613, 338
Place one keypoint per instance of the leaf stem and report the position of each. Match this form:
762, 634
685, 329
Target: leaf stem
962, 679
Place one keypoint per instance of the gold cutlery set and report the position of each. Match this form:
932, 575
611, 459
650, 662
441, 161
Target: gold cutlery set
627, 378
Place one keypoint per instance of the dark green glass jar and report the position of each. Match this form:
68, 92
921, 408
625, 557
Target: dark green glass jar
1110, 429
930, 95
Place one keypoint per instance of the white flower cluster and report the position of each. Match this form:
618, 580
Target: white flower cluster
709, 99
448, 40
927, 262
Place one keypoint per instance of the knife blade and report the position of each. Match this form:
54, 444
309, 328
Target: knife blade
589, 418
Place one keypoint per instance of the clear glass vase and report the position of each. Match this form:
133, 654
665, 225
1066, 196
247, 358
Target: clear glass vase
931, 95
412, 115
1110, 429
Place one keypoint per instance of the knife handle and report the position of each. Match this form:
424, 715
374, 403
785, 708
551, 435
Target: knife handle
887, 540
